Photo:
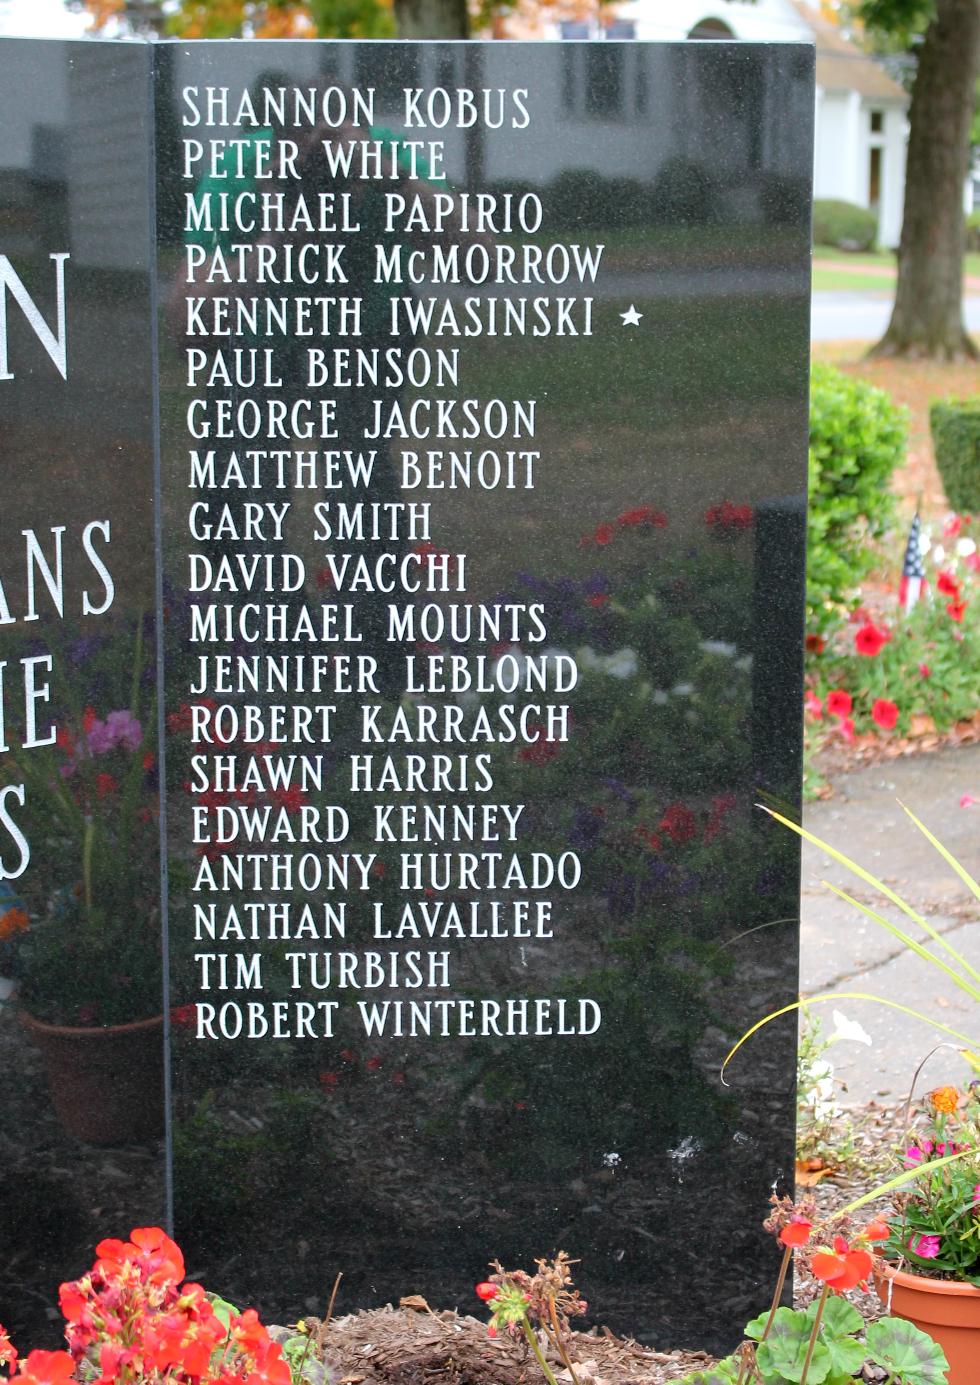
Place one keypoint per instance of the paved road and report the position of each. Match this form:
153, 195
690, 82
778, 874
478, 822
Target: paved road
843, 316
842, 950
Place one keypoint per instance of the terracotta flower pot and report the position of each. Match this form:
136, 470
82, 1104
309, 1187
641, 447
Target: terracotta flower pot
106, 1083
947, 1309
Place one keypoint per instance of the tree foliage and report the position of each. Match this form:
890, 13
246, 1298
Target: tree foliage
246, 18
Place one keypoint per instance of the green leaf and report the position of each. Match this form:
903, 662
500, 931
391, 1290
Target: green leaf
223, 1310
725, 1373
840, 1318
785, 1349
906, 1352
755, 1328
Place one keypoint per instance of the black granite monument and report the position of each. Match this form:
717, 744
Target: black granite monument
442, 678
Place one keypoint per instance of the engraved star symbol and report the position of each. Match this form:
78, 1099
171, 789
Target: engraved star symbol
631, 318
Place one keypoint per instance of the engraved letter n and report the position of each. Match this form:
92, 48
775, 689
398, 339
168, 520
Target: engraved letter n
55, 346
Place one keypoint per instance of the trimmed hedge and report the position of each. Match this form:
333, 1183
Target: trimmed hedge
843, 224
955, 427
857, 438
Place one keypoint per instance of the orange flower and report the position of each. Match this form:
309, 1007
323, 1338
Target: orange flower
13, 921
797, 1233
944, 1100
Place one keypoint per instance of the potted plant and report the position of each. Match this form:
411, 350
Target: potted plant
87, 954
929, 1268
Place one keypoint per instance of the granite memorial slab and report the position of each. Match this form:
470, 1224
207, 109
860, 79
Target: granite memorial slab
476, 380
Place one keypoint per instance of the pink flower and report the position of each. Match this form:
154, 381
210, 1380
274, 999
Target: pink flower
926, 1246
813, 704
913, 1156
976, 1194
967, 800
925, 670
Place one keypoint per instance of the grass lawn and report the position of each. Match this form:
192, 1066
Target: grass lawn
873, 258
840, 281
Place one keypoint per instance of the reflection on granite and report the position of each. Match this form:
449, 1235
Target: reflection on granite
568, 928
76, 573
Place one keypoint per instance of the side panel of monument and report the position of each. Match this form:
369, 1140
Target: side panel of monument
81, 1026
483, 403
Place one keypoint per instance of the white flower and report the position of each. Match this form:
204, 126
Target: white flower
611, 1160
682, 689
965, 547
660, 698
622, 664
718, 647
938, 554
850, 1030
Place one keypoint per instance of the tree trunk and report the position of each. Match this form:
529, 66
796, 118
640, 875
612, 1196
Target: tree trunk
927, 319
434, 18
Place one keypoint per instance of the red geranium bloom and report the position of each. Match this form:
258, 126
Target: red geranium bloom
839, 703
797, 1233
373, 1064
956, 610
869, 640
8, 1353
151, 1249
487, 1291
642, 514
48, 1367
884, 713
947, 584
816, 644
841, 1268
876, 1230
679, 823
105, 785
925, 670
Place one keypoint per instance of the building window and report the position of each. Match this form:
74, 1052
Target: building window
389, 68
877, 122
604, 81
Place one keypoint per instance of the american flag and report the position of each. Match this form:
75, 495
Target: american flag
913, 572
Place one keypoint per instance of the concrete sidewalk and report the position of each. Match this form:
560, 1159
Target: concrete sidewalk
843, 950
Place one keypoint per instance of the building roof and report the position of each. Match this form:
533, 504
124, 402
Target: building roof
841, 65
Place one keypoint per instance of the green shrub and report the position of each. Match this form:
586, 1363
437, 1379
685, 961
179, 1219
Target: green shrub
973, 231
843, 225
955, 425
684, 193
857, 438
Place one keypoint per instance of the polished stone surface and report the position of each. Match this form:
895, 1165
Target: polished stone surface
641, 555
76, 433
657, 551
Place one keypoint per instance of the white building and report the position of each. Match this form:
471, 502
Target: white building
861, 125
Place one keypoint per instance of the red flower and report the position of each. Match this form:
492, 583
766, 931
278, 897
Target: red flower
797, 1233
600, 599
373, 1064
541, 750
841, 1268
184, 1016
925, 670
876, 1230
648, 837
157, 1257
48, 1367
952, 527
884, 713
8, 1353
329, 1080
180, 720
398, 1078
839, 703
947, 584
105, 785
292, 799
679, 823
88, 719
956, 610
487, 1291
603, 534
642, 514
816, 644
729, 516
869, 640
